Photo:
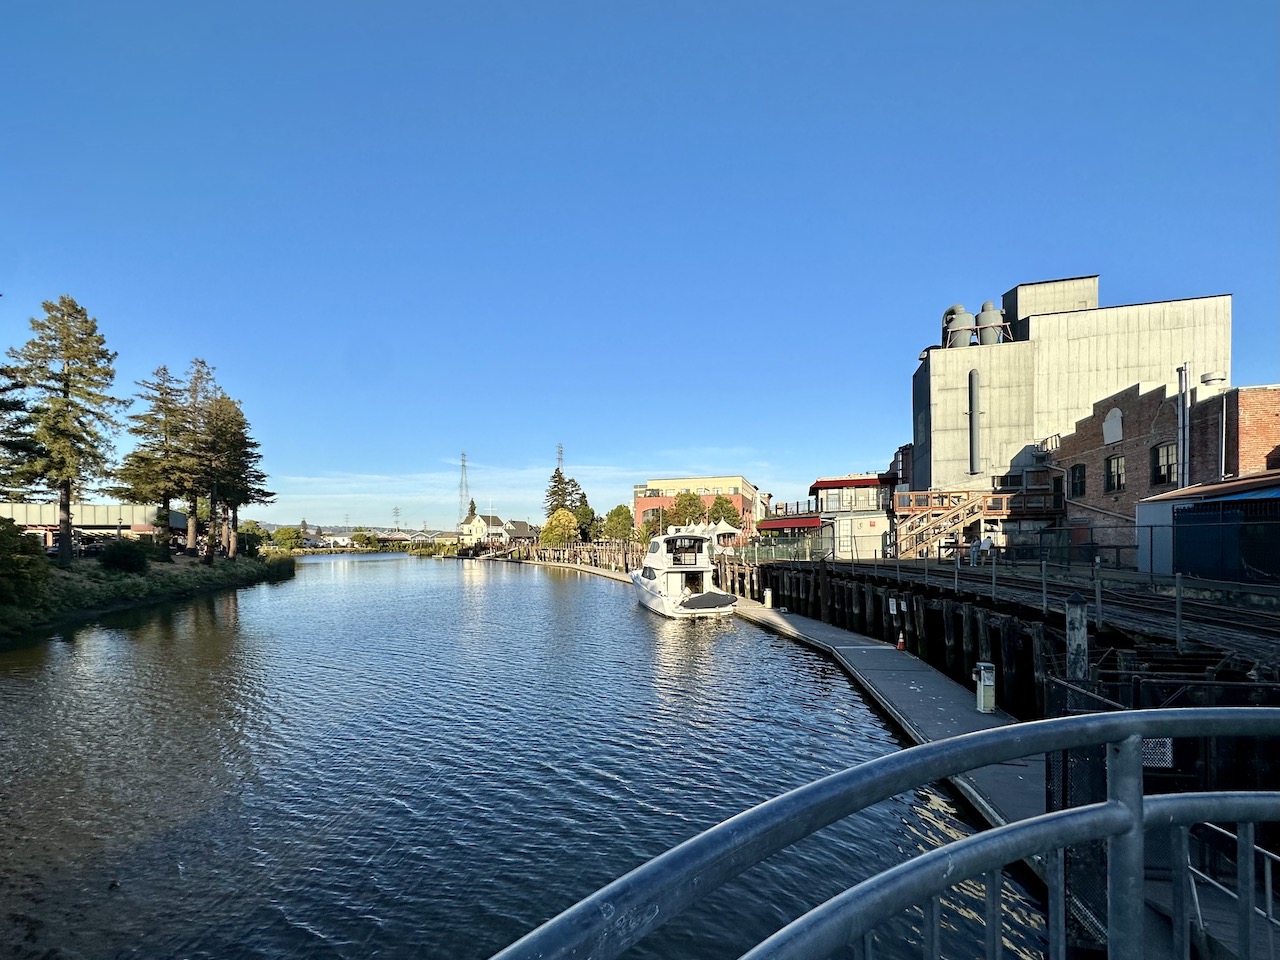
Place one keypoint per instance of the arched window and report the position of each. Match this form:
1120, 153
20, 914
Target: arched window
1112, 426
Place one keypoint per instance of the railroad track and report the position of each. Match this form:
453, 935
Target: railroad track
1249, 632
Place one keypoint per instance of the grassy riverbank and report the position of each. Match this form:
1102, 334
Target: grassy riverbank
88, 588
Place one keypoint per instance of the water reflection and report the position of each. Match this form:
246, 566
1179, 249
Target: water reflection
409, 757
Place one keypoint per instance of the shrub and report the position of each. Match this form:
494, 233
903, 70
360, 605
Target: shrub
23, 567
127, 556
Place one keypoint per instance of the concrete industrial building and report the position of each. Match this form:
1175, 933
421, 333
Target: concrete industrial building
986, 400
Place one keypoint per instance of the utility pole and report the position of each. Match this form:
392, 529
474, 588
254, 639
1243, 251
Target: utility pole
464, 493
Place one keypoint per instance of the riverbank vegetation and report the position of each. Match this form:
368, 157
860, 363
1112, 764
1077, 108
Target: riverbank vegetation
36, 594
58, 419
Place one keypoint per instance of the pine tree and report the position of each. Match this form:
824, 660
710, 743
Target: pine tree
575, 497
557, 493
66, 370
194, 443
234, 469
154, 471
17, 445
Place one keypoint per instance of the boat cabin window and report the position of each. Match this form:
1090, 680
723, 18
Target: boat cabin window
648, 574
655, 547
684, 551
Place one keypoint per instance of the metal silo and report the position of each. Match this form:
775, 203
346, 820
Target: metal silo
990, 323
957, 326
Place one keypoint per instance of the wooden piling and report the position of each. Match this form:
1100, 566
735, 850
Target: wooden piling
949, 637
923, 646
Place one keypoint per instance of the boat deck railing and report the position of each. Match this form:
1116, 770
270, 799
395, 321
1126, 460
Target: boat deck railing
617, 916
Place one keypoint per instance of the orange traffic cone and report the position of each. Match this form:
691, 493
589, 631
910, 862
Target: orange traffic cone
902, 644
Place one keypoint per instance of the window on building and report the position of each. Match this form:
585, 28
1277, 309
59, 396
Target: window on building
1164, 463
1115, 474
1077, 481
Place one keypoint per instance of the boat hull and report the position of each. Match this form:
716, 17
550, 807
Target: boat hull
712, 603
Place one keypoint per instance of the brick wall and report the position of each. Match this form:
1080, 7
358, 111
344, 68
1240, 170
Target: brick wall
1147, 420
1252, 416
1259, 429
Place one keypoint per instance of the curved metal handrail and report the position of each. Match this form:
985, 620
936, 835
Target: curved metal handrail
831, 925
612, 919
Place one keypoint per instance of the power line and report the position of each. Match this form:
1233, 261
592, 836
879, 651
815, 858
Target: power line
464, 493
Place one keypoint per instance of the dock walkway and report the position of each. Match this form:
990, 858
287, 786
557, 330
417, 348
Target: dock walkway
928, 706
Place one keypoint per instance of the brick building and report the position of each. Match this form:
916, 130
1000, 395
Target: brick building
653, 496
1129, 449
1235, 435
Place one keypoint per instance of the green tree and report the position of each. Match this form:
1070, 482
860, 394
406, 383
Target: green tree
655, 525
365, 539
23, 567
194, 441
688, 508
251, 537
471, 508
722, 508
234, 458
66, 370
17, 444
619, 524
557, 493
287, 538
153, 471
588, 522
561, 528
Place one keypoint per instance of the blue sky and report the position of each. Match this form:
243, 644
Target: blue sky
678, 238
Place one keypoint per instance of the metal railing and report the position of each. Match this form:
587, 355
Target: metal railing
1266, 911
618, 915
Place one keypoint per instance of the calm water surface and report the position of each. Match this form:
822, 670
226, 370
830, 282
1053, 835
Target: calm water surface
389, 757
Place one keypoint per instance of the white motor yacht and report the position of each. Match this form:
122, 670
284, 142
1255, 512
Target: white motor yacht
675, 580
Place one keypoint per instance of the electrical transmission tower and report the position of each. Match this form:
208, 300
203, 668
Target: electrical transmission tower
464, 493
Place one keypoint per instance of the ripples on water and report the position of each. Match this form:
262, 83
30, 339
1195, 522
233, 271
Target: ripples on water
411, 758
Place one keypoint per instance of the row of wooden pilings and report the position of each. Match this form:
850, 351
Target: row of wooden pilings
952, 633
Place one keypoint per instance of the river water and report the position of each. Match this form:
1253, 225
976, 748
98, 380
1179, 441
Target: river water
396, 757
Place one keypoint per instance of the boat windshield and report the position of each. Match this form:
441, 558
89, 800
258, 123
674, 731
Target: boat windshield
684, 550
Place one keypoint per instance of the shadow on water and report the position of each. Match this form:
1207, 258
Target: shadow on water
413, 758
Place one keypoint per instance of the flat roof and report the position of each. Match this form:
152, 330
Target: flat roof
789, 523
1221, 488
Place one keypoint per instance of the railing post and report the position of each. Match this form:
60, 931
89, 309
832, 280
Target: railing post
1125, 853
1044, 587
993, 921
1245, 890
1056, 882
1180, 877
